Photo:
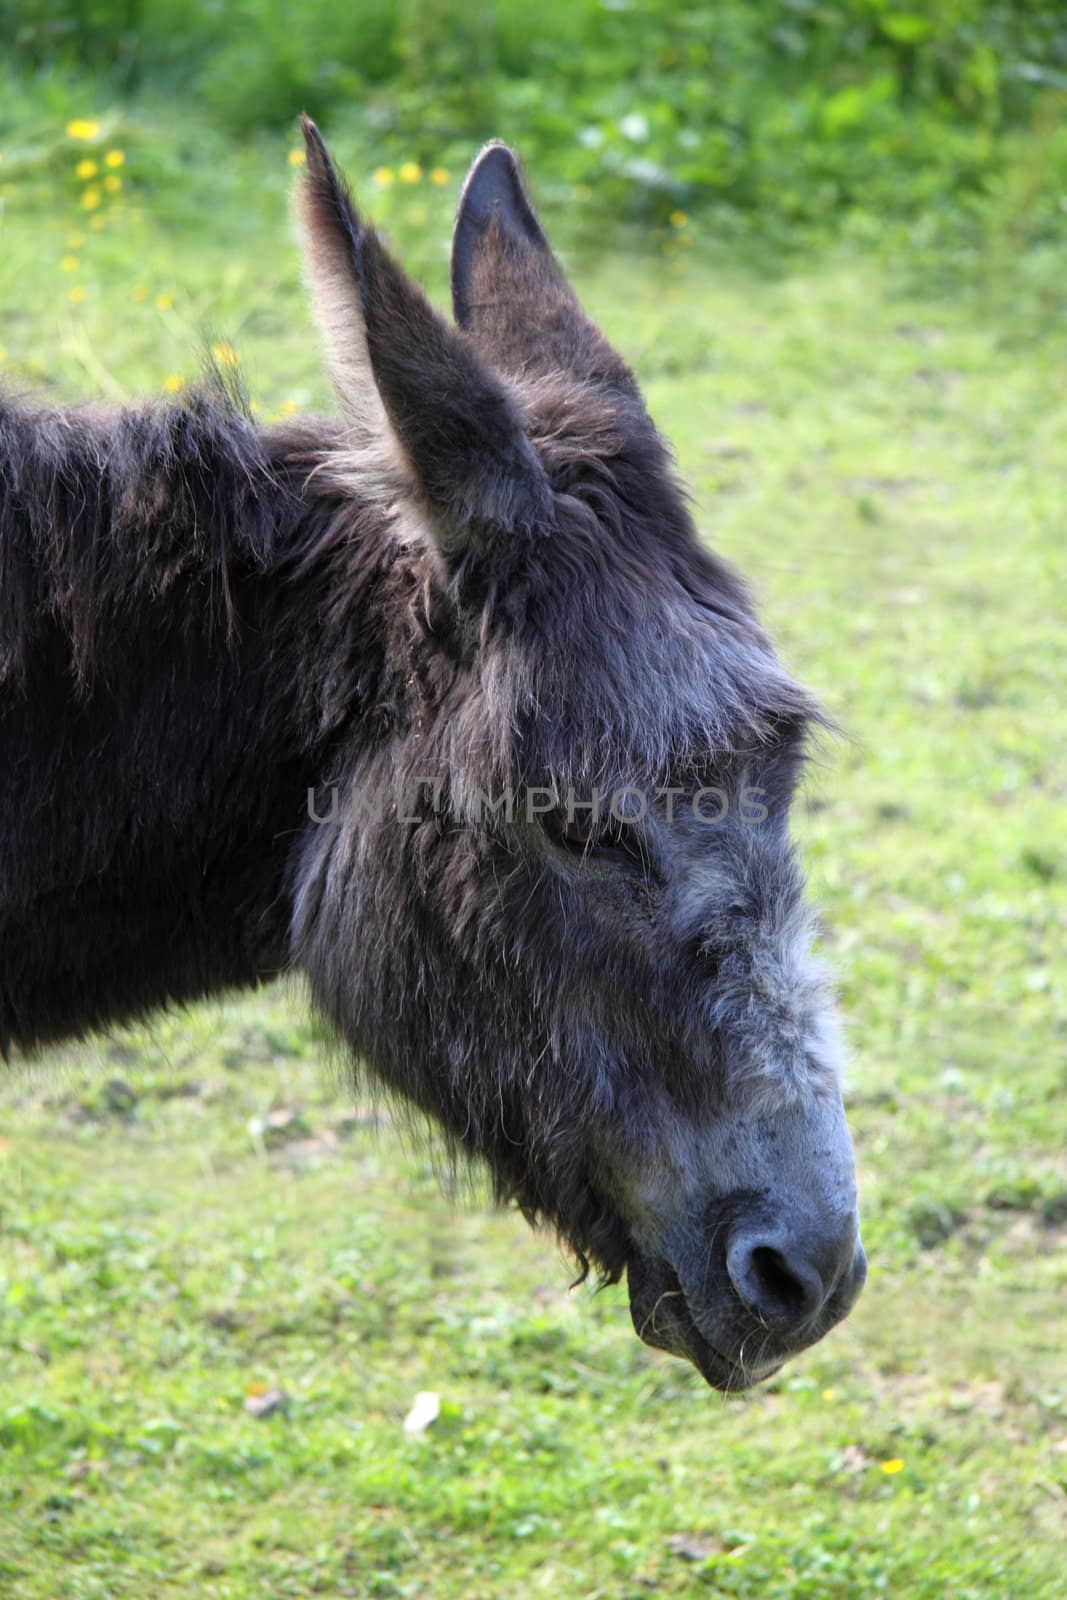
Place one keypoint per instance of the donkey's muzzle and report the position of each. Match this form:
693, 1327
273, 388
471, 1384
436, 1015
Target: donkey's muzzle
767, 1289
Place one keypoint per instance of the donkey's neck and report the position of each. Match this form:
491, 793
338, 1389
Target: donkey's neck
187, 636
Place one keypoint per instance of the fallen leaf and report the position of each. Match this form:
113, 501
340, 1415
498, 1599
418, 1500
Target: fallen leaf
278, 1127
694, 1546
425, 1408
266, 1405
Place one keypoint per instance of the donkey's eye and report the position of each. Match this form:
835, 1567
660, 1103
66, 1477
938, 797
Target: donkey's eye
576, 833
604, 838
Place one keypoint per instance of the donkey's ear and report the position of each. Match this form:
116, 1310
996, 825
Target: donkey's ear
508, 289
406, 378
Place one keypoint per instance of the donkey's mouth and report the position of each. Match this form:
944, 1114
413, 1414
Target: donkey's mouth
662, 1318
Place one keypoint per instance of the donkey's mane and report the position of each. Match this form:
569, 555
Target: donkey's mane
100, 509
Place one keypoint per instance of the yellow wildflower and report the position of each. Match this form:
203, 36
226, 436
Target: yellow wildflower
91, 198
410, 172
115, 158
69, 264
383, 177
172, 383
82, 128
828, 1394
678, 219
77, 294
112, 184
86, 169
164, 302
297, 158
97, 222
289, 408
224, 354
439, 175
895, 1465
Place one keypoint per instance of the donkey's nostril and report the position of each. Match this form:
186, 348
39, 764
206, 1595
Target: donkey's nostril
778, 1285
781, 1286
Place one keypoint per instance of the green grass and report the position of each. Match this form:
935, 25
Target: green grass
888, 464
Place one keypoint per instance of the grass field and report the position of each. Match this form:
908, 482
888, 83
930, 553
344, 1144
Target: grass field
195, 1214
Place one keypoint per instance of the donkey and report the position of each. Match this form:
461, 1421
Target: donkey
444, 706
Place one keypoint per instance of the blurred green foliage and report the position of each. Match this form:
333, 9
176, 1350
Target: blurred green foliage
796, 109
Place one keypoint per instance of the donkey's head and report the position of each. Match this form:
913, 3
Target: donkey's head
555, 904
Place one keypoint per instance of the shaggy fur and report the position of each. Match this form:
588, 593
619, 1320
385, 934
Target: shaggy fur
484, 579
